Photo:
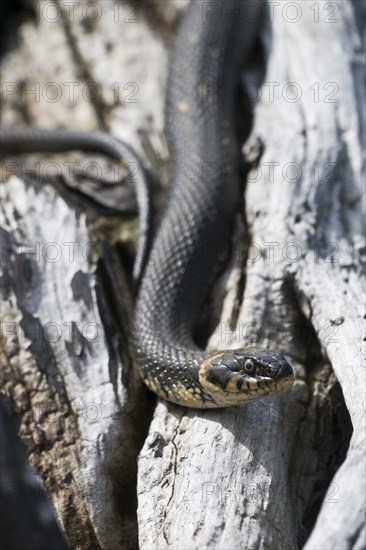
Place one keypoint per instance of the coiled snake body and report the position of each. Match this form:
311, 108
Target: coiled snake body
201, 131
200, 122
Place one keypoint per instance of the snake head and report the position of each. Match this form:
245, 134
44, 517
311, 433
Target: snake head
240, 376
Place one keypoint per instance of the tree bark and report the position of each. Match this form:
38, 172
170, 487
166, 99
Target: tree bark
281, 473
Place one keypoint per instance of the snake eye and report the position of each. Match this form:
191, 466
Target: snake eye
249, 366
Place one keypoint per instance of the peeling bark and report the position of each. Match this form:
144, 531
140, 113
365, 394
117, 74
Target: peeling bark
282, 473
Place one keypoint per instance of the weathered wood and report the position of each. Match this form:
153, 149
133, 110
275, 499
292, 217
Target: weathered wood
324, 215
244, 477
255, 476
66, 363
88, 464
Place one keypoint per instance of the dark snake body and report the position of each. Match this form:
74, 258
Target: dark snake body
28, 140
201, 109
201, 113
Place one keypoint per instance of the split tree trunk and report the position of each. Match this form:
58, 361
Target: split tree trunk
274, 474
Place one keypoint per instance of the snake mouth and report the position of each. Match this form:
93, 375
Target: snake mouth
255, 387
281, 383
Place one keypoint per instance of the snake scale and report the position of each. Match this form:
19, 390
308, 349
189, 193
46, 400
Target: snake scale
201, 112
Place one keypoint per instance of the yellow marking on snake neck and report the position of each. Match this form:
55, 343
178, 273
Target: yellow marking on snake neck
202, 374
180, 394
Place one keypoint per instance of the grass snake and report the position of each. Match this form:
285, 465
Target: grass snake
201, 113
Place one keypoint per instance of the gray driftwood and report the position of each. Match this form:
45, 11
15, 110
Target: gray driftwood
277, 474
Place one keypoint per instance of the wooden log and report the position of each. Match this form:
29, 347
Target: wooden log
66, 363
257, 478
273, 474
